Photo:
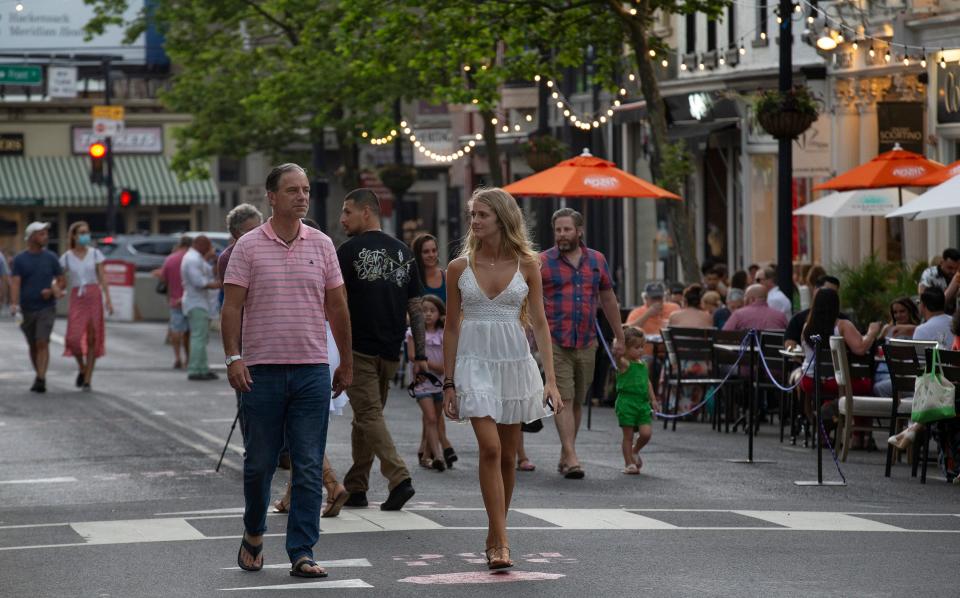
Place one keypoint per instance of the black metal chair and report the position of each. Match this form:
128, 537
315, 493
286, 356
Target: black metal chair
904, 366
771, 343
686, 345
724, 361
825, 365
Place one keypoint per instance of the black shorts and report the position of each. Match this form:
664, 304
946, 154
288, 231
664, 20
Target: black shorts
37, 325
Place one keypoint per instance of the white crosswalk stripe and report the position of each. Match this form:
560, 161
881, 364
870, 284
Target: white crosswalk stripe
372, 520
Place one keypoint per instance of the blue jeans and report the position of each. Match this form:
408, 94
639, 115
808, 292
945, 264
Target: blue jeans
291, 401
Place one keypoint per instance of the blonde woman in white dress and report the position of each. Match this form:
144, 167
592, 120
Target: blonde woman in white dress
493, 289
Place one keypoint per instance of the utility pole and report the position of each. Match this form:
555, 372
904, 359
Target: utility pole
785, 161
111, 203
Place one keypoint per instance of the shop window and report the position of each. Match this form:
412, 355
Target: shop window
691, 30
762, 18
711, 35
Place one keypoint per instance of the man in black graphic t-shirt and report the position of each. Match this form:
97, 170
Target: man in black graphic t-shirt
383, 287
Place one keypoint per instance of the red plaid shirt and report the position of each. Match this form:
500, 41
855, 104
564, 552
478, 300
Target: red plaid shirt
571, 295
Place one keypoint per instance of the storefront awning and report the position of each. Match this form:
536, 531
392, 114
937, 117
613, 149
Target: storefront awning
64, 181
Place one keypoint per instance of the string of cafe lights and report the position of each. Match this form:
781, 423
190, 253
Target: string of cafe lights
836, 31
418, 145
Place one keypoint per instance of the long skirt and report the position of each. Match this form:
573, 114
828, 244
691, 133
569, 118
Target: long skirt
85, 308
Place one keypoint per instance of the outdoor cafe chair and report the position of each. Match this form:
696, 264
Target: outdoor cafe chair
771, 342
685, 346
904, 365
851, 406
736, 385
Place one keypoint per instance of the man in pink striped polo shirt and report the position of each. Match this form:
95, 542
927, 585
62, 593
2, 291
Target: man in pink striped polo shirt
283, 281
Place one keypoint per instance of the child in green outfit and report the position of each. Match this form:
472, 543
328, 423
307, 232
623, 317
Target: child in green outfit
635, 397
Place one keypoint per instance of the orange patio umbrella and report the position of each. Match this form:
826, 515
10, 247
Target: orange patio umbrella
938, 177
586, 176
896, 168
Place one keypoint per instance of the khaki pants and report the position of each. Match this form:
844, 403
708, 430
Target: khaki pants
370, 437
574, 371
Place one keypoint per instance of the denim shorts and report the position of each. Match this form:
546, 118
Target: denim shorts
178, 321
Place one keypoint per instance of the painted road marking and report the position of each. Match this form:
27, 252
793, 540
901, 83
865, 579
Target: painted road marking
813, 521
168, 529
314, 585
596, 519
60, 480
480, 577
325, 564
136, 530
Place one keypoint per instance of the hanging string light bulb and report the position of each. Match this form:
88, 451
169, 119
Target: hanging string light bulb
943, 61
872, 52
887, 57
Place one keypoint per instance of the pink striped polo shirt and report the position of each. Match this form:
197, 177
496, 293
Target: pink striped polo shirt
284, 320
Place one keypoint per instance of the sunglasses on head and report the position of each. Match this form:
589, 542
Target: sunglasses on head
423, 377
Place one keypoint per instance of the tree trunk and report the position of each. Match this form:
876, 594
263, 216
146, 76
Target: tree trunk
679, 212
493, 152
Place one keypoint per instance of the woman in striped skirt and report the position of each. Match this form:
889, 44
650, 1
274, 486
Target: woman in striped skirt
83, 265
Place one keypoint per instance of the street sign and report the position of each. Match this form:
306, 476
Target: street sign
62, 81
107, 112
107, 120
20, 74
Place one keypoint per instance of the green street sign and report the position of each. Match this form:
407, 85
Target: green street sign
20, 74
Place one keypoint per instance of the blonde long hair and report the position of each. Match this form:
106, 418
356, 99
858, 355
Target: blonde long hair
514, 233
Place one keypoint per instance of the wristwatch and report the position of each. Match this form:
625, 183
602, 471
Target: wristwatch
232, 358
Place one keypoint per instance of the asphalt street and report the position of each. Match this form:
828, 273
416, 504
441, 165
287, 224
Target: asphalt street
113, 494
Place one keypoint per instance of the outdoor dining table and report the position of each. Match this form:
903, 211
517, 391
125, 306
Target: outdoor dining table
751, 398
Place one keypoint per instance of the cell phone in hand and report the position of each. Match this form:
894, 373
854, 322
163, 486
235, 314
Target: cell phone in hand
550, 404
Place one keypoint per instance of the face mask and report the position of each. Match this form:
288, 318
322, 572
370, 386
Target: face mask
83, 239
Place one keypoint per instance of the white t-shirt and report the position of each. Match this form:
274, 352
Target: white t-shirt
81, 271
937, 329
196, 274
779, 301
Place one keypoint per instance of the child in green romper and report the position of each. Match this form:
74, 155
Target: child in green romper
635, 397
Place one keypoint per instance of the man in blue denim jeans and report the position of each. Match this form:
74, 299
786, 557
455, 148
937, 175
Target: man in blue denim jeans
285, 280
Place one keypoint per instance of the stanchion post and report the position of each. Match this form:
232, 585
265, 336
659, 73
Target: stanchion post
816, 419
752, 395
816, 407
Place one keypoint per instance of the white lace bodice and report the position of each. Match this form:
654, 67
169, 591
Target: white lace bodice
505, 307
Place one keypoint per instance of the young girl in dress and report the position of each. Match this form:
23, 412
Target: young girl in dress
435, 450
635, 397
491, 377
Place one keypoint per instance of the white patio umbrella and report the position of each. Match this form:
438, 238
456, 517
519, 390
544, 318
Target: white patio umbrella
942, 200
861, 202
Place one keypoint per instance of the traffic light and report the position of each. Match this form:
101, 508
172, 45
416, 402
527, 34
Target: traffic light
129, 198
97, 151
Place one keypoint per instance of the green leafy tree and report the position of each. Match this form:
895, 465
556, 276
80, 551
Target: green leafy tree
260, 76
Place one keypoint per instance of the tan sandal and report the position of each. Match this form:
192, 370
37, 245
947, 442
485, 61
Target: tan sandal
500, 558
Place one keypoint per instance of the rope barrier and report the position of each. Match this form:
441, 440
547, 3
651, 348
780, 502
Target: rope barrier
766, 367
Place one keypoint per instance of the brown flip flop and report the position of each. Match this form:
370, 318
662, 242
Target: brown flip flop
338, 501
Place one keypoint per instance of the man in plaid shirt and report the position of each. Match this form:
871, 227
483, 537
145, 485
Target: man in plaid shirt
575, 281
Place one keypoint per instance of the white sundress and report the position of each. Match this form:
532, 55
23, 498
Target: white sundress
496, 375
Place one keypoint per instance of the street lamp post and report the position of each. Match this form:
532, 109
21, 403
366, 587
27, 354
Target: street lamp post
785, 161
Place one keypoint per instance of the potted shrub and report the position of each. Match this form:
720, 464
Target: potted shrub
398, 178
543, 151
787, 114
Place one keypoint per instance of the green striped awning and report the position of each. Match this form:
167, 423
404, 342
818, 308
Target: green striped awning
64, 181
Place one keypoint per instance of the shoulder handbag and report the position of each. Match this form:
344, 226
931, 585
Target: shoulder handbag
933, 395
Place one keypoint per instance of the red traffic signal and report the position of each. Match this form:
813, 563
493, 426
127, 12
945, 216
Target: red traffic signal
129, 198
98, 150
97, 153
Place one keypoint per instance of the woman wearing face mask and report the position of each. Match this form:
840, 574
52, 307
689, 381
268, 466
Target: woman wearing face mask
83, 265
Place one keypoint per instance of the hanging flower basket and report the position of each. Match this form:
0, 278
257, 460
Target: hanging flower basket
398, 178
543, 152
786, 115
787, 124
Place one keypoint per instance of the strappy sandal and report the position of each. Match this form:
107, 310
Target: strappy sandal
253, 551
631, 470
526, 465
336, 504
450, 456
298, 571
499, 560
280, 507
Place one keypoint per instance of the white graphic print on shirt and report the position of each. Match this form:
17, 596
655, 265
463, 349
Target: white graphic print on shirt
376, 264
